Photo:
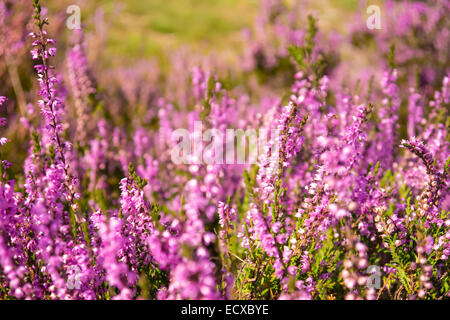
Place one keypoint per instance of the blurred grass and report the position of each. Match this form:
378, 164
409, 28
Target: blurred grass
149, 28
145, 28
139, 29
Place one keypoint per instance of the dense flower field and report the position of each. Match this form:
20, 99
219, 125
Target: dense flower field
347, 198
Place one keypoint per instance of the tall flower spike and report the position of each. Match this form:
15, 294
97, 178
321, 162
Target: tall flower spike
433, 193
51, 104
3, 164
82, 86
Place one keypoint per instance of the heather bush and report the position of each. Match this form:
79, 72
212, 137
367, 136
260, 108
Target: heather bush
347, 197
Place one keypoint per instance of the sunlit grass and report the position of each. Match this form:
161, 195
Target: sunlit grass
156, 26
140, 29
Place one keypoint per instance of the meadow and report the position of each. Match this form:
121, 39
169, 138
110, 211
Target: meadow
226, 149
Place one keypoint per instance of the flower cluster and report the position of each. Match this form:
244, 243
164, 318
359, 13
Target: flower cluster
348, 197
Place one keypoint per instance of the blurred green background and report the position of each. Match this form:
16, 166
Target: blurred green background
144, 28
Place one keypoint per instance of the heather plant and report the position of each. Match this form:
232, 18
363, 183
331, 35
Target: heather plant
348, 196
